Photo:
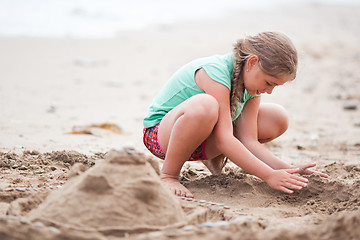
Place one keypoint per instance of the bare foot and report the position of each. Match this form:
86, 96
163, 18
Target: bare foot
175, 186
215, 165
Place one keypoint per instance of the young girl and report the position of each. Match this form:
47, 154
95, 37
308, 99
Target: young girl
210, 108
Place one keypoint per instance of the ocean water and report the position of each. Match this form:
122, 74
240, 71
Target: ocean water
104, 18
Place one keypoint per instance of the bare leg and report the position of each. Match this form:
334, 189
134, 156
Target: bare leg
215, 165
182, 130
272, 123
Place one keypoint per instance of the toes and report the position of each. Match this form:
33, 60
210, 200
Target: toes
183, 193
177, 189
180, 192
189, 195
177, 192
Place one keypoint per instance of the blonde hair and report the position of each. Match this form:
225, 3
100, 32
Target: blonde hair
277, 57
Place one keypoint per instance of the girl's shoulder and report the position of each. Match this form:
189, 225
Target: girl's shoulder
218, 67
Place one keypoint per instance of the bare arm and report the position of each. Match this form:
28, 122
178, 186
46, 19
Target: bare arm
231, 147
247, 132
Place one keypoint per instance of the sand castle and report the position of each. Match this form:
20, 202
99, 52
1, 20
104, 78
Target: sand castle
120, 194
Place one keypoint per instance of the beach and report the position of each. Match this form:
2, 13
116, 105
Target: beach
66, 102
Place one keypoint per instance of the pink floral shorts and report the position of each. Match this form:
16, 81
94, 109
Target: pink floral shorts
151, 142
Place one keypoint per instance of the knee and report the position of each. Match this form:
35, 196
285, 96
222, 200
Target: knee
281, 118
273, 121
206, 109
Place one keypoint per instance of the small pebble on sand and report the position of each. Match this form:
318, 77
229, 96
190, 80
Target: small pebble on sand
350, 105
221, 224
241, 213
188, 228
39, 225
206, 225
20, 189
54, 230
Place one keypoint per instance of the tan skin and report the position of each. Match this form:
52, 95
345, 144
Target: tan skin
207, 116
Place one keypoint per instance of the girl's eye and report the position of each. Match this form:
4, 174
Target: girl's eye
267, 83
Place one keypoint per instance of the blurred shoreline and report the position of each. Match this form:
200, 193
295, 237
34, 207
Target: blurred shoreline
104, 19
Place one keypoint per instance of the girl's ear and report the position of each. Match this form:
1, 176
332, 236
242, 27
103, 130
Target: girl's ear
251, 62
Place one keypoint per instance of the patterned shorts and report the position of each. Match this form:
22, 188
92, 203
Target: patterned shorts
151, 142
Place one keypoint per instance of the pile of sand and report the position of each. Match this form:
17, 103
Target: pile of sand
122, 194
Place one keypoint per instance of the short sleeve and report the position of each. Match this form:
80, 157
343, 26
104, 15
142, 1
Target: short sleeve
218, 73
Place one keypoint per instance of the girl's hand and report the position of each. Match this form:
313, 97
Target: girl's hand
285, 180
304, 170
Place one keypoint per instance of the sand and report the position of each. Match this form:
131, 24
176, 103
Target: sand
57, 185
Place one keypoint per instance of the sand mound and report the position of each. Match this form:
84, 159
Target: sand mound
121, 194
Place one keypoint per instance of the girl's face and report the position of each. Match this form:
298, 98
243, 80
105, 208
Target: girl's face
257, 82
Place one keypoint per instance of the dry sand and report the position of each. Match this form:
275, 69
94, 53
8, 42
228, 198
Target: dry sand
49, 86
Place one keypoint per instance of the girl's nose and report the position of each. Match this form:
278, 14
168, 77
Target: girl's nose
269, 90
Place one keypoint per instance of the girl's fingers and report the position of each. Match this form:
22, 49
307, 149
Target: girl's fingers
297, 183
293, 186
298, 178
324, 175
284, 189
309, 165
305, 168
309, 172
292, 170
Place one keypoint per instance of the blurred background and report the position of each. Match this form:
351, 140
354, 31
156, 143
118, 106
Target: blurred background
68, 66
103, 19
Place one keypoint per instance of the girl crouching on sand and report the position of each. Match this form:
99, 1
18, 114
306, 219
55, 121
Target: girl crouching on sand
210, 108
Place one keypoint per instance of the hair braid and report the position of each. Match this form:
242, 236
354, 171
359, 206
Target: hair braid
237, 80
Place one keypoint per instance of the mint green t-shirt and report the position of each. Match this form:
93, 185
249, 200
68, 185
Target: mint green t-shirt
182, 86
